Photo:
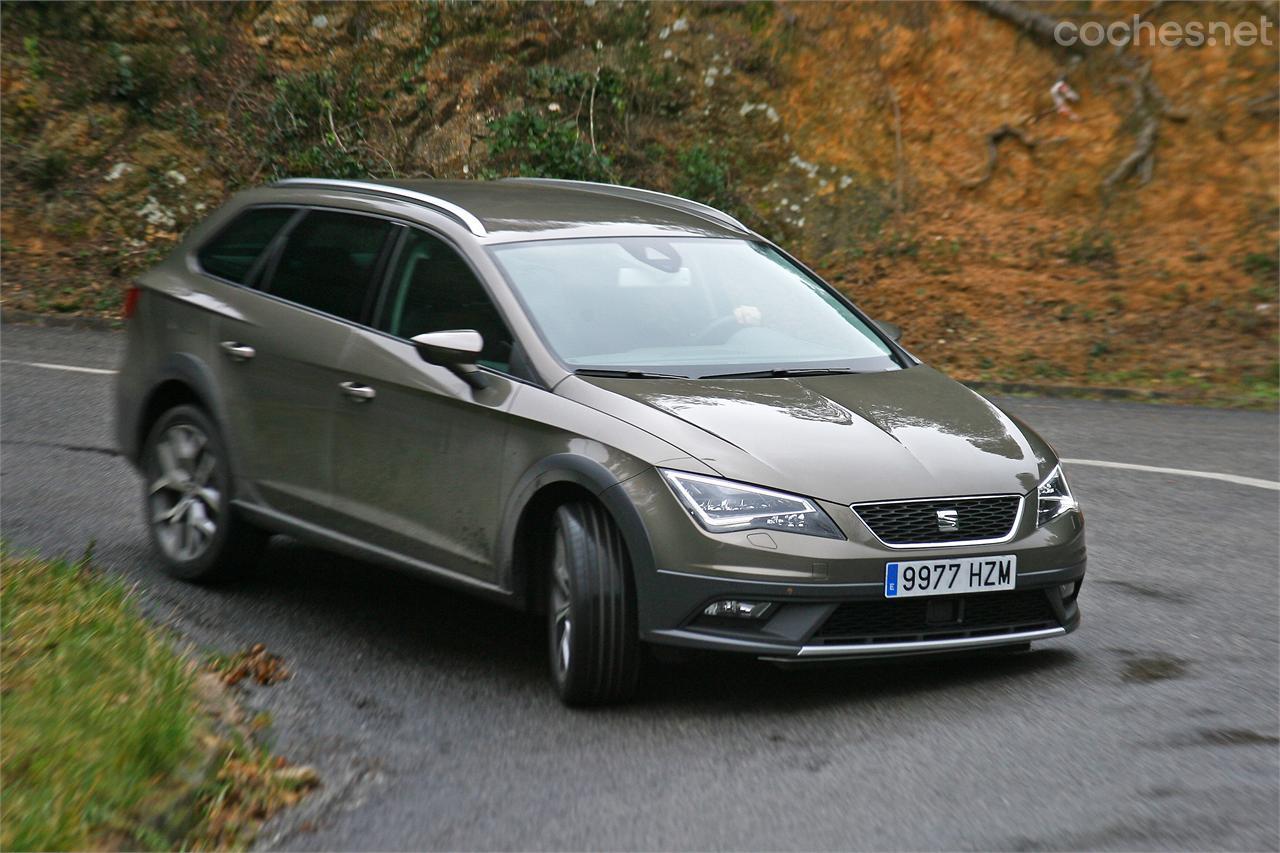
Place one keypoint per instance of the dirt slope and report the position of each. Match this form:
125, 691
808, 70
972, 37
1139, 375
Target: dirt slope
856, 134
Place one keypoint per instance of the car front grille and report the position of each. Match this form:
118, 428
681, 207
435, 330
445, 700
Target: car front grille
904, 523
947, 617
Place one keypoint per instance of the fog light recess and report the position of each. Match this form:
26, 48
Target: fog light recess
1067, 591
736, 609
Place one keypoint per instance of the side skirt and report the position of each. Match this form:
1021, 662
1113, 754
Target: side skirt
313, 534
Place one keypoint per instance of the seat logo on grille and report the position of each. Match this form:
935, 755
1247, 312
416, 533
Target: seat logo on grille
948, 520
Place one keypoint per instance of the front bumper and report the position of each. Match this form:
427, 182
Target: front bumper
798, 626
827, 595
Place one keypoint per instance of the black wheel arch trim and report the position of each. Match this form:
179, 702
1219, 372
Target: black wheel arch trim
589, 475
198, 378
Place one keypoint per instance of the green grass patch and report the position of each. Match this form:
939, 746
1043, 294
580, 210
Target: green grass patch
98, 710
107, 742
1092, 246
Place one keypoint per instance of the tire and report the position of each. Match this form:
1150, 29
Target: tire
592, 634
187, 500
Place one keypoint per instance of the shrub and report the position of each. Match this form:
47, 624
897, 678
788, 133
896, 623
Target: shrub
35, 62
208, 42
1263, 266
142, 75
44, 168
659, 92
529, 143
552, 81
430, 37
703, 176
316, 126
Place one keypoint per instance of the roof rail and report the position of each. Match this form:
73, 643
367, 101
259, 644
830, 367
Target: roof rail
462, 216
705, 211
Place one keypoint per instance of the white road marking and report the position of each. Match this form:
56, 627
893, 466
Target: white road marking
1097, 463
1181, 472
68, 367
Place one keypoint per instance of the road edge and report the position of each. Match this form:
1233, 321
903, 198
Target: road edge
15, 316
981, 386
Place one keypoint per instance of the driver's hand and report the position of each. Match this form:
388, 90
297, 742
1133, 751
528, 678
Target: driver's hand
747, 315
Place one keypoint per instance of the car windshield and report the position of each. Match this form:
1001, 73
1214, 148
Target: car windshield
689, 307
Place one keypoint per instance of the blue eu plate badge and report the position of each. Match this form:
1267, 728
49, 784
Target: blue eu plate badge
891, 580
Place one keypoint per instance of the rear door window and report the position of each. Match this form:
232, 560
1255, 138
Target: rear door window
232, 254
328, 262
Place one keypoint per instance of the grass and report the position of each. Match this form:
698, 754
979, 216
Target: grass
1091, 246
105, 741
98, 710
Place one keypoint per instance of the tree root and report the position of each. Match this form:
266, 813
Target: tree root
1267, 106
1141, 160
994, 138
1039, 26
1149, 103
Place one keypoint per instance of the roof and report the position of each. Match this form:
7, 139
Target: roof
534, 208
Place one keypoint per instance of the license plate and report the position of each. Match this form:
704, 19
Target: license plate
950, 577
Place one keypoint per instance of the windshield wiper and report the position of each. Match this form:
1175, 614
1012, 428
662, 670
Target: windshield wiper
782, 372
625, 374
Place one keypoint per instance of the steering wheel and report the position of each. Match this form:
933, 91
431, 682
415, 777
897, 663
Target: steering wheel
713, 332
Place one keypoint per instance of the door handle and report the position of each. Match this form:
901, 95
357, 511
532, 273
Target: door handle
357, 392
238, 351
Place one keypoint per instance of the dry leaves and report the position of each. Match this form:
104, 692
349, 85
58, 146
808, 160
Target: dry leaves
255, 663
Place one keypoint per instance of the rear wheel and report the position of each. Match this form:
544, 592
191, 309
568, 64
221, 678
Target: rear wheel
188, 501
591, 612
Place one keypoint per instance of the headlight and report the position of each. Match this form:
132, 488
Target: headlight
722, 505
1054, 497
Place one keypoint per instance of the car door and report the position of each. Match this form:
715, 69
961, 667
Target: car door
281, 349
417, 462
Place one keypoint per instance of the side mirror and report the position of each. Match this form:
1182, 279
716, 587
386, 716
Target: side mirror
456, 350
893, 330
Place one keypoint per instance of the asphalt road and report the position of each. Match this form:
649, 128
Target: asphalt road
429, 718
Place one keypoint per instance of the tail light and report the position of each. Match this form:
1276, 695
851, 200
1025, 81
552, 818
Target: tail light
131, 301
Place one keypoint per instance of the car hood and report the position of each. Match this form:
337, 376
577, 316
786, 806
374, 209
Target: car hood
845, 438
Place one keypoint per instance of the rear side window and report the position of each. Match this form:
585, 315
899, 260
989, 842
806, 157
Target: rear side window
232, 253
328, 262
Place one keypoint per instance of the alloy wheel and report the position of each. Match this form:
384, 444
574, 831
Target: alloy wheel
185, 502
561, 617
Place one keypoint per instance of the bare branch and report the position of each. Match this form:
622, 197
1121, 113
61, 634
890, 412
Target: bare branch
592, 112
336, 138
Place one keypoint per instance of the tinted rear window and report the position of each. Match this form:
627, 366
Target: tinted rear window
328, 260
232, 253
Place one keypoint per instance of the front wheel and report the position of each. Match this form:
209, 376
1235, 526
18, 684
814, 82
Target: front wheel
591, 611
188, 500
